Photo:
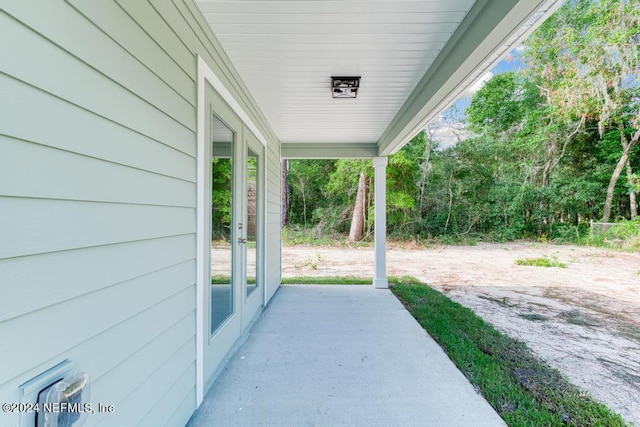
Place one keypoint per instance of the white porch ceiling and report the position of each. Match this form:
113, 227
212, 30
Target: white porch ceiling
413, 57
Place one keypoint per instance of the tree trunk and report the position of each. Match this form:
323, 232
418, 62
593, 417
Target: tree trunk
368, 206
633, 204
284, 190
425, 170
357, 222
624, 158
446, 224
304, 202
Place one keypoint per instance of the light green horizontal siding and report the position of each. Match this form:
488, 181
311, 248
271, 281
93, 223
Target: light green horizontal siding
46, 225
33, 282
154, 387
114, 364
97, 198
90, 315
110, 141
180, 390
74, 177
182, 412
113, 356
150, 21
81, 84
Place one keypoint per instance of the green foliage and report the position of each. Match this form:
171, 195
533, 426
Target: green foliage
221, 174
296, 235
624, 230
623, 235
586, 58
504, 101
522, 388
310, 262
403, 176
569, 233
541, 262
587, 54
634, 182
307, 180
325, 280
343, 180
323, 192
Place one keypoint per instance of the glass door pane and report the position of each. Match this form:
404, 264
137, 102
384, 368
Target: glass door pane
252, 219
221, 224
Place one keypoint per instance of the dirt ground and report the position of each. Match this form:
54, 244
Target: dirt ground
583, 319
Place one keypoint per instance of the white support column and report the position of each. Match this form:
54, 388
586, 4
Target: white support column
380, 167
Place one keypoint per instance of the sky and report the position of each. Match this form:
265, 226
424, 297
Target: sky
448, 127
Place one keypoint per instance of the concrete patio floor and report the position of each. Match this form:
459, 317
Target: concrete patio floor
336, 356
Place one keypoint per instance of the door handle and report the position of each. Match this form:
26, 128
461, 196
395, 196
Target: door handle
241, 241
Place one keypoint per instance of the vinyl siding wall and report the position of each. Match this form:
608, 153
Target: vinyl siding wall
98, 199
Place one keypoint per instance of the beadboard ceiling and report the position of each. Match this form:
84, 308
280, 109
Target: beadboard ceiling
413, 57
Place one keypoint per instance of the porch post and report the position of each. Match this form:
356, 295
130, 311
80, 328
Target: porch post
380, 167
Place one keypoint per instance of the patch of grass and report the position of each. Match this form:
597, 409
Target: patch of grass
292, 236
316, 236
502, 301
534, 316
313, 262
577, 317
309, 262
541, 262
523, 389
328, 280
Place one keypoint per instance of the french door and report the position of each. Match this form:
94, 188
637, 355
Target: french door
234, 292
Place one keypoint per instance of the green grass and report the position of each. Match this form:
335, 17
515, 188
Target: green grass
523, 389
327, 280
314, 236
541, 262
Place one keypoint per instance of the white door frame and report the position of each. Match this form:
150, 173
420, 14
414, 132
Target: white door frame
252, 303
206, 75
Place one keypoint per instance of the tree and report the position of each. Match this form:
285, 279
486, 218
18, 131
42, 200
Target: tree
358, 219
405, 175
284, 192
221, 207
348, 197
307, 180
587, 55
500, 104
546, 150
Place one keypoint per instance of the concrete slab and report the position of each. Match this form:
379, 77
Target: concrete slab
341, 355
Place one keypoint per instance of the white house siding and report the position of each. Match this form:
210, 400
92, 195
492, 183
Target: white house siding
98, 199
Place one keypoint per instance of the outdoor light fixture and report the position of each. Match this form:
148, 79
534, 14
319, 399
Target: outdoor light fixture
345, 87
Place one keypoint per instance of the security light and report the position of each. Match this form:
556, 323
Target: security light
345, 87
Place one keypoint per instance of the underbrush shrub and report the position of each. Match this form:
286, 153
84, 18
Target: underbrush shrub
569, 233
623, 235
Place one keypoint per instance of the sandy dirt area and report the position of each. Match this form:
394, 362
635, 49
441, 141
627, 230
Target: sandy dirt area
583, 319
